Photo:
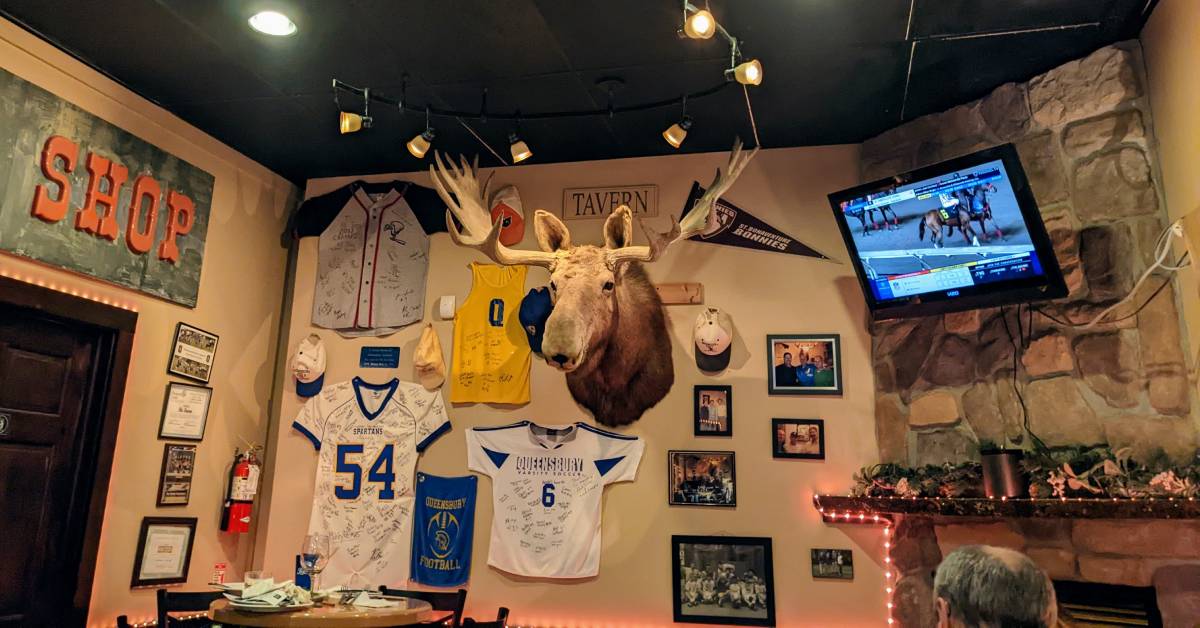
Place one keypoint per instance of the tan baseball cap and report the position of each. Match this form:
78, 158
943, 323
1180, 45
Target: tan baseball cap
427, 360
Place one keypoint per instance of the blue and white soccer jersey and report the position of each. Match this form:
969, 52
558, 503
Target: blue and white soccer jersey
368, 437
546, 486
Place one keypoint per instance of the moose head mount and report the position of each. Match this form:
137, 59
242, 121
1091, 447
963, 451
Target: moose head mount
608, 330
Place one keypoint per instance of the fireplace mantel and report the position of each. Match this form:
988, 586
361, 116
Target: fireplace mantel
872, 509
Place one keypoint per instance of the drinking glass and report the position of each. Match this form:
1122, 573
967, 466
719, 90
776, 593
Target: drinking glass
314, 556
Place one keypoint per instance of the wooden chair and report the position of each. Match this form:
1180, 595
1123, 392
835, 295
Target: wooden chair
183, 602
440, 601
501, 621
123, 621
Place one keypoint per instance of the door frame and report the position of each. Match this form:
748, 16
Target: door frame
99, 419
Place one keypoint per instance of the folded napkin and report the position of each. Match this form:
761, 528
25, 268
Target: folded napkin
267, 592
365, 600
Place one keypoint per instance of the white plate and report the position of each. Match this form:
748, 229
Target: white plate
259, 608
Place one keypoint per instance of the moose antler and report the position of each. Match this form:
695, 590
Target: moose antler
697, 220
478, 231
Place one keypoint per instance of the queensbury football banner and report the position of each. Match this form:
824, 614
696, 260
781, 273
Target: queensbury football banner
443, 528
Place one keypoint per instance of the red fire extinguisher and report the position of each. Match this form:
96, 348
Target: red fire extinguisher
239, 496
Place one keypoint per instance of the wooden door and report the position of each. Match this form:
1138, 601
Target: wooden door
47, 375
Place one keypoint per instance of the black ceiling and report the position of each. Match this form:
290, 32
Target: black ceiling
835, 71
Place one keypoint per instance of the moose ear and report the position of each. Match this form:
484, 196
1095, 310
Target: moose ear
552, 234
618, 229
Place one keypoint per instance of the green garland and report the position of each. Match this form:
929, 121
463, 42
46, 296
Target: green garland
1053, 473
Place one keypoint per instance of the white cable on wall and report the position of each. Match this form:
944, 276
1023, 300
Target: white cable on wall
1162, 250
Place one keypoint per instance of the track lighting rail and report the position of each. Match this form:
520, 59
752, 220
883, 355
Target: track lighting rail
377, 97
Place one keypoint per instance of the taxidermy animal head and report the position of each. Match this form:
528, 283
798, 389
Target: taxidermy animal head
608, 331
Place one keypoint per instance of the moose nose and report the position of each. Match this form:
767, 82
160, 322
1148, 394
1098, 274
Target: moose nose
560, 358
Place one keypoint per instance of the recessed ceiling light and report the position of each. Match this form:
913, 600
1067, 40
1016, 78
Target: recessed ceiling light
272, 23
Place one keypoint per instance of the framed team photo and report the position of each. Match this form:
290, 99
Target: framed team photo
192, 353
701, 478
798, 438
713, 411
833, 564
725, 580
804, 364
175, 478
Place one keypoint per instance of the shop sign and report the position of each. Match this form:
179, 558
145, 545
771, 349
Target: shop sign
82, 194
584, 203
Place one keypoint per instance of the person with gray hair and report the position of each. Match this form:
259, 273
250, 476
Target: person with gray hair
979, 586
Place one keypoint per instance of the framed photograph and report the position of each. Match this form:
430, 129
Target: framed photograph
713, 413
185, 411
723, 580
798, 438
175, 478
192, 353
833, 564
804, 364
701, 478
164, 551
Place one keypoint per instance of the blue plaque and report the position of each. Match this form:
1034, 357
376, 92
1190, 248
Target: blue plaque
379, 357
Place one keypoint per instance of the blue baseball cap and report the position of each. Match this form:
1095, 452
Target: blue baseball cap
535, 309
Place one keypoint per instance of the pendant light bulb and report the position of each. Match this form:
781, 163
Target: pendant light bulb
749, 73
349, 122
700, 25
518, 147
419, 144
676, 133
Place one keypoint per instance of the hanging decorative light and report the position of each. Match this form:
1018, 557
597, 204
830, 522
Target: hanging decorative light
420, 143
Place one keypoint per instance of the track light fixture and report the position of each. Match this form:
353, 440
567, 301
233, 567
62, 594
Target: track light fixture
419, 144
676, 133
519, 149
700, 24
748, 73
353, 122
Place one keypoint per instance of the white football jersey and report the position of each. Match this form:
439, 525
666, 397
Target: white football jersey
368, 437
546, 486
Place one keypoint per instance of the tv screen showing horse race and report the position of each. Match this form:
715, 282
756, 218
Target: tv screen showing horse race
945, 234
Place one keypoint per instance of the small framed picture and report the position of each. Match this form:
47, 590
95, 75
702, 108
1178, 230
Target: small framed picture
833, 564
804, 364
164, 551
713, 413
185, 411
175, 478
725, 580
192, 353
798, 438
701, 478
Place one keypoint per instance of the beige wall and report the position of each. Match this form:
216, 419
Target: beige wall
240, 294
1171, 49
764, 293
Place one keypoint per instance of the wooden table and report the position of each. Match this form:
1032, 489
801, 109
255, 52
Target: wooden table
409, 611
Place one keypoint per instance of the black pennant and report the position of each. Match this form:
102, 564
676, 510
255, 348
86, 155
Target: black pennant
736, 227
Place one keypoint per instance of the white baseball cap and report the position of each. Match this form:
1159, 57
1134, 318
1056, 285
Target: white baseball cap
713, 336
308, 366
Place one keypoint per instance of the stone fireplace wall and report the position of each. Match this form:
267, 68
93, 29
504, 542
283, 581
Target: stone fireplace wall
1159, 553
943, 384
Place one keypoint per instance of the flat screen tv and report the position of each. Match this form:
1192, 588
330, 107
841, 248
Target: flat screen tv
958, 235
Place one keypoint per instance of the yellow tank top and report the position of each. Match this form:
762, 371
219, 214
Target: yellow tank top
491, 358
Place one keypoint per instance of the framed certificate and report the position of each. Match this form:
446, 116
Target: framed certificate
175, 479
192, 353
185, 411
164, 551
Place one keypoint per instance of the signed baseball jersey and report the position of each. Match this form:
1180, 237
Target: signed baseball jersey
546, 486
491, 357
371, 266
368, 437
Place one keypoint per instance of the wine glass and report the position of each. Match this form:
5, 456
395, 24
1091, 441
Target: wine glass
314, 556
